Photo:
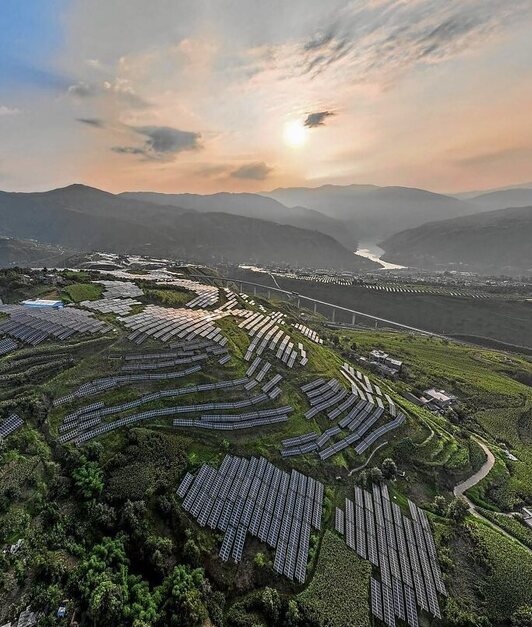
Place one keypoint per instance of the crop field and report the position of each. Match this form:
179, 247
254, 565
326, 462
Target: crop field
338, 593
78, 292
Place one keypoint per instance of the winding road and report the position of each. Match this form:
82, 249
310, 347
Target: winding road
461, 488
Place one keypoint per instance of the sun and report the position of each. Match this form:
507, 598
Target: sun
294, 134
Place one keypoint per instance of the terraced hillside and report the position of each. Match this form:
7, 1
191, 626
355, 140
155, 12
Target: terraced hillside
186, 454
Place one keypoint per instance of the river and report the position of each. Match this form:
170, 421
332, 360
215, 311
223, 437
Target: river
370, 250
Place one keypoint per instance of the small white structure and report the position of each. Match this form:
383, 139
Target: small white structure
43, 302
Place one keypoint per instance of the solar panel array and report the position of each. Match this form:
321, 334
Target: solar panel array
207, 295
120, 289
357, 416
166, 323
36, 324
402, 548
312, 335
7, 345
119, 306
267, 334
10, 424
253, 496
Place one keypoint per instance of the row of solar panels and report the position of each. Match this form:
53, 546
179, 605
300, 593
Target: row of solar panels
312, 335
180, 349
106, 383
253, 496
158, 413
10, 424
168, 363
7, 345
378, 531
98, 410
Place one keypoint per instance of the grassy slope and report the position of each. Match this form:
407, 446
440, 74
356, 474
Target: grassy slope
338, 593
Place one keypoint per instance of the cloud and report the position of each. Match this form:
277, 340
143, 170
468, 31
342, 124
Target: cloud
82, 90
252, 171
5, 111
96, 122
161, 142
378, 42
317, 119
495, 158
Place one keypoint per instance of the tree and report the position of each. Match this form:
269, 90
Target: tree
293, 615
439, 505
363, 478
260, 560
88, 479
271, 602
522, 617
389, 468
192, 552
375, 475
107, 602
183, 601
458, 510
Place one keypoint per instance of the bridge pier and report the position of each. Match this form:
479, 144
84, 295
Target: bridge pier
269, 294
254, 290
353, 319
298, 303
333, 314
315, 307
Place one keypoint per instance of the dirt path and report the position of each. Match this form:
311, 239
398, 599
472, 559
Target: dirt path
478, 476
473, 480
368, 460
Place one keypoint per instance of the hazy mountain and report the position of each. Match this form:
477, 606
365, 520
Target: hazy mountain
505, 198
478, 192
24, 253
84, 219
251, 206
490, 242
373, 212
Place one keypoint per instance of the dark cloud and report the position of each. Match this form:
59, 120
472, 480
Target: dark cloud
96, 122
372, 39
82, 90
252, 171
161, 142
129, 150
317, 119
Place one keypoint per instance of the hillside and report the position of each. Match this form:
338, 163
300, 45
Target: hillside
250, 206
489, 242
521, 197
15, 252
117, 500
375, 213
84, 219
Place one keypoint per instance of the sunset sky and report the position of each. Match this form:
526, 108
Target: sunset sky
248, 95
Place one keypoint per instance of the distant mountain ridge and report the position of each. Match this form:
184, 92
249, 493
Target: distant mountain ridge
84, 218
373, 212
250, 206
492, 242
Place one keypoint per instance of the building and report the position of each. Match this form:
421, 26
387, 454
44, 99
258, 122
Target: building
43, 302
439, 398
387, 365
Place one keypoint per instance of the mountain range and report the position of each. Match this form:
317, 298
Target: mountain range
83, 218
490, 242
301, 227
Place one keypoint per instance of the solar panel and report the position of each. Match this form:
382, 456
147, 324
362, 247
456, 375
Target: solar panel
339, 521
410, 603
398, 598
388, 605
376, 599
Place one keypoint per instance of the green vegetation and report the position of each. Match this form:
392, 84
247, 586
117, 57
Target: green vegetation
77, 292
102, 526
338, 594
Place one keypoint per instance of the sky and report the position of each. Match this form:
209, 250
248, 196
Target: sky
246, 95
